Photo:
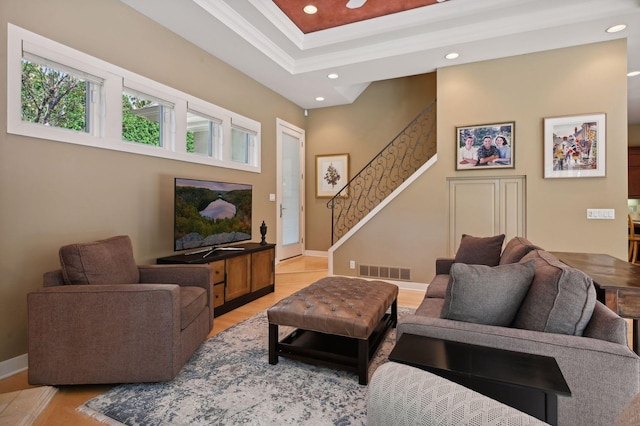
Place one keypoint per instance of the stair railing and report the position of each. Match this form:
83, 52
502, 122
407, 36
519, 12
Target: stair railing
405, 154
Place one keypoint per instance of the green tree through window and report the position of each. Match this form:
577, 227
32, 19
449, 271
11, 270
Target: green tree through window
53, 97
143, 129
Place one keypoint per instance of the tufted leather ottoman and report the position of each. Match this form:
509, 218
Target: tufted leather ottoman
340, 323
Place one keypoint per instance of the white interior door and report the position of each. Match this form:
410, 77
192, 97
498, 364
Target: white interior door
290, 194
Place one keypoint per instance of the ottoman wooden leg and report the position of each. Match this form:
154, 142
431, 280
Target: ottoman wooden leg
363, 361
394, 313
273, 344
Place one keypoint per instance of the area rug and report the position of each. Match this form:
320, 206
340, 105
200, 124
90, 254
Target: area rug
229, 381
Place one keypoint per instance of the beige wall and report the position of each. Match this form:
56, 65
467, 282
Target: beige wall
54, 193
361, 129
413, 230
634, 135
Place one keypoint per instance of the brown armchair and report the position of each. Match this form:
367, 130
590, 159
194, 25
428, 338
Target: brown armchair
104, 319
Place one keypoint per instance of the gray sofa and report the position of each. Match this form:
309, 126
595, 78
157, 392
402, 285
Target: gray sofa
554, 313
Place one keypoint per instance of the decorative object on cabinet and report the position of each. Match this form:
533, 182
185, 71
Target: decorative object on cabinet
332, 174
485, 146
575, 146
263, 233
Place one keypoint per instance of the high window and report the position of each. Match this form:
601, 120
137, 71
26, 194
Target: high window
60, 94
204, 135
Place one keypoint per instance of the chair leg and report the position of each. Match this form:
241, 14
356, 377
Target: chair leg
634, 254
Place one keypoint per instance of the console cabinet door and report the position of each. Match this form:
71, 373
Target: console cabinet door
217, 271
262, 269
238, 276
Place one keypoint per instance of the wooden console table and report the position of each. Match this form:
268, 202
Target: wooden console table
617, 284
528, 382
237, 277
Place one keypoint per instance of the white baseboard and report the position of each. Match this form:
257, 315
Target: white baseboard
13, 366
404, 285
316, 253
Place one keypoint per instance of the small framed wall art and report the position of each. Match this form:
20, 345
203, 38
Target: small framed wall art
332, 173
575, 146
486, 146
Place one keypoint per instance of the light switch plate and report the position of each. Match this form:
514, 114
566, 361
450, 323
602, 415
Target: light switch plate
609, 214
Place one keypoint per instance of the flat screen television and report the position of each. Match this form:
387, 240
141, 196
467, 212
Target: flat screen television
210, 213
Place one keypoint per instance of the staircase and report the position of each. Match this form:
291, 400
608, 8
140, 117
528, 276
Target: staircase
405, 154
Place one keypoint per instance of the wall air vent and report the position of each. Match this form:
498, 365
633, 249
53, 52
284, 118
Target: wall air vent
390, 272
364, 271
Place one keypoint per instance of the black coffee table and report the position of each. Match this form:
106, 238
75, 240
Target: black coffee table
527, 382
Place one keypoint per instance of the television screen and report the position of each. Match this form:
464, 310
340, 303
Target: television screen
209, 213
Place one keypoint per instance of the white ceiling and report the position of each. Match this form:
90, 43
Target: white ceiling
255, 37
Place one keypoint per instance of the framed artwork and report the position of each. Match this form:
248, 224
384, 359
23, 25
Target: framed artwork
332, 173
486, 146
574, 146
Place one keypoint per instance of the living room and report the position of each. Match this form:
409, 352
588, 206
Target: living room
55, 193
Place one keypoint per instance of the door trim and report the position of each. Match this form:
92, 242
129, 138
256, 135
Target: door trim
282, 127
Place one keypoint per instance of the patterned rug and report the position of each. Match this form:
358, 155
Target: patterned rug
229, 381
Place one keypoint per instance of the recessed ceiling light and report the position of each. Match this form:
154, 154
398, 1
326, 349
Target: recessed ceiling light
320, 99
310, 9
633, 73
616, 28
452, 55
333, 76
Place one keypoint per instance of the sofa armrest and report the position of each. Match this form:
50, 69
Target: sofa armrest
402, 395
443, 265
103, 333
603, 376
182, 275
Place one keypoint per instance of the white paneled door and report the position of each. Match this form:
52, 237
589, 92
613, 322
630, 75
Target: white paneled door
484, 207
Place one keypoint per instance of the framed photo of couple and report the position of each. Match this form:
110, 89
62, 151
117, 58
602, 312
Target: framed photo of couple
486, 146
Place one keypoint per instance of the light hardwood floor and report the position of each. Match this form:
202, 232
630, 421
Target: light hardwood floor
291, 275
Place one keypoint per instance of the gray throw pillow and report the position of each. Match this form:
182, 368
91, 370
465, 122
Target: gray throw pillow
479, 250
486, 295
561, 299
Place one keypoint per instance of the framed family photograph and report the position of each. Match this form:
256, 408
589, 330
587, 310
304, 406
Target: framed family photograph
574, 146
486, 146
332, 173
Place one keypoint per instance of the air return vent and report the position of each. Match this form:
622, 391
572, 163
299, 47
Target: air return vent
390, 272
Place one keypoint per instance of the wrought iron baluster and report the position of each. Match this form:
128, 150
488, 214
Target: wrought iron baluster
405, 154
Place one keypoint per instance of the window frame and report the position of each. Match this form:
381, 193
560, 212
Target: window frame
107, 133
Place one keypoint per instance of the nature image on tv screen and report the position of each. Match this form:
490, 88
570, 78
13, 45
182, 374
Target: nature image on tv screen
209, 213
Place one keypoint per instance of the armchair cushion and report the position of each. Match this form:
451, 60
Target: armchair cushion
479, 250
100, 262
